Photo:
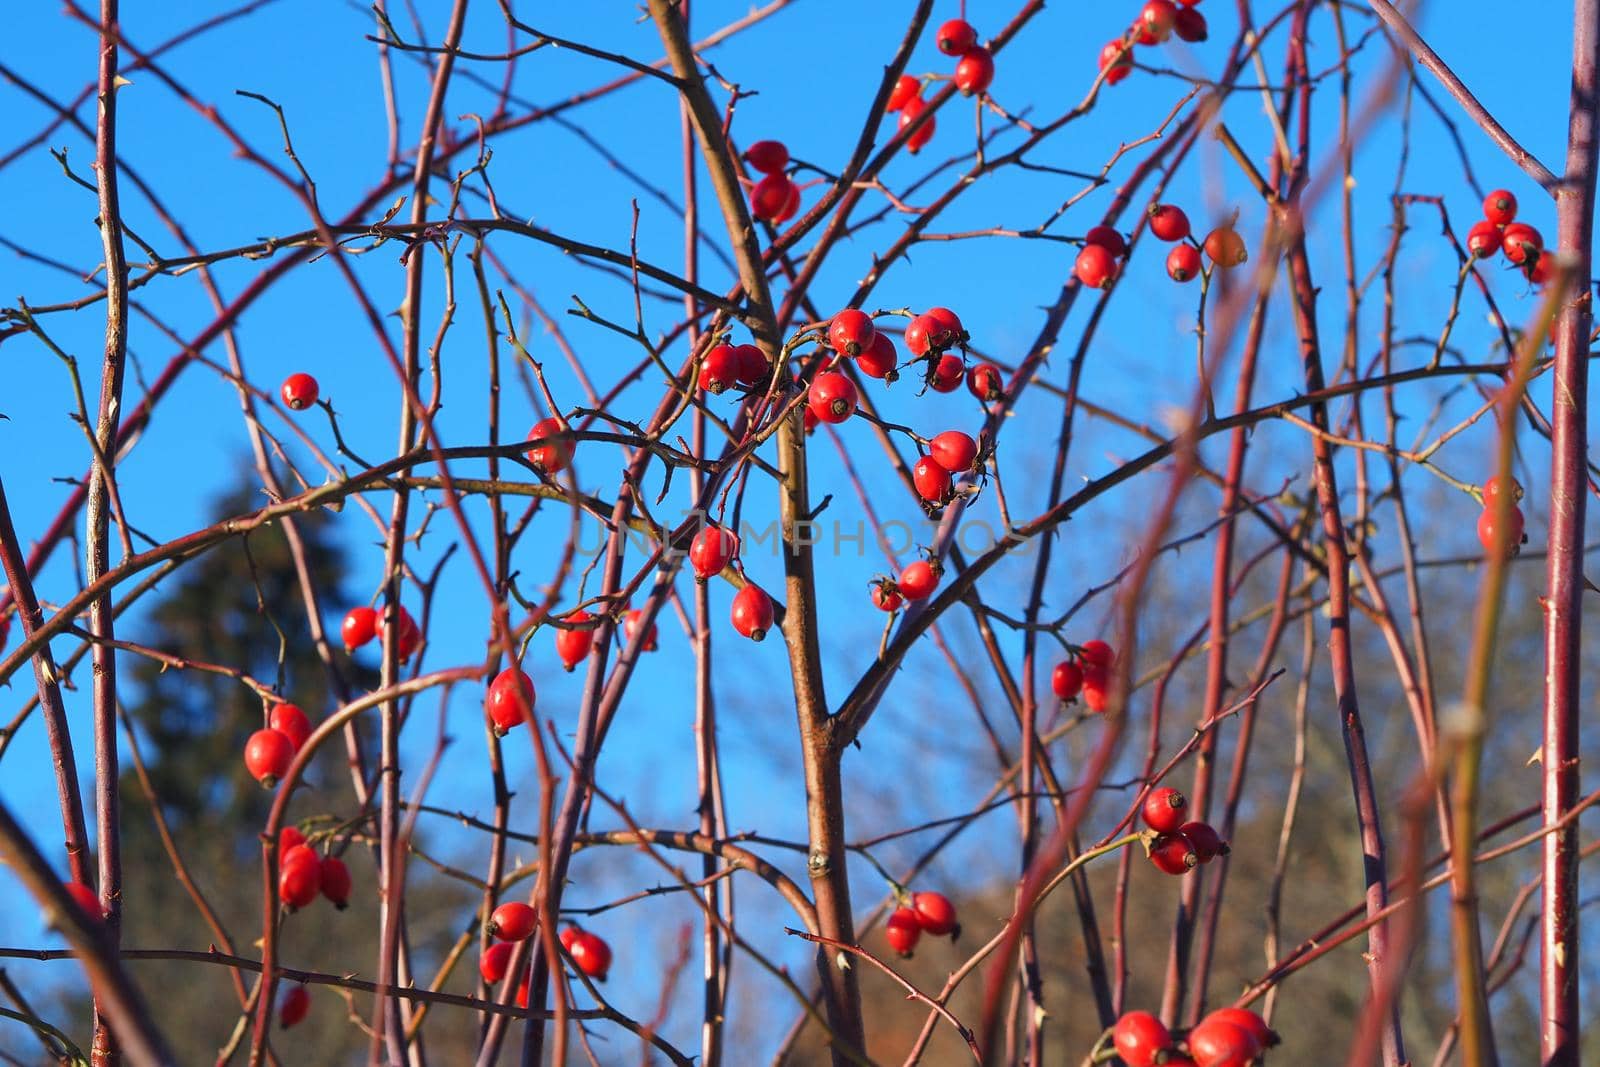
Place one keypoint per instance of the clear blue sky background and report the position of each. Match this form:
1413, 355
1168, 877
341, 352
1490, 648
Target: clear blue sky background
815, 67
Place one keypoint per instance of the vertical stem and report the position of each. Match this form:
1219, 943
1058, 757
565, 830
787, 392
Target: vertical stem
97, 533
1559, 1023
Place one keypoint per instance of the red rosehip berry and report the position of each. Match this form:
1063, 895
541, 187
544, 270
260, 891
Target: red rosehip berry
832, 397
923, 133
905, 90
1500, 207
300, 391
719, 369
1095, 267
1540, 268
752, 612
1219, 1043
572, 646
885, 597
495, 962
1225, 247
1066, 681
975, 72
919, 334
289, 837
267, 756
947, 373
1190, 26
1485, 239
591, 954
1169, 222
293, 1007
752, 364
1156, 21
86, 900
791, 206
511, 700
918, 580
1097, 653
291, 722
712, 549
1163, 810
770, 196
935, 914
956, 37
851, 332
947, 330
299, 877
768, 157
630, 625
336, 882
1249, 1022
1521, 242
902, 931
550, 458
1183, 262
932, 481
1140, 1039
878, 361
1107, 238
1173, 854
360, 626
985, 382
1506, 542
954, 451
1203, 838
513, 921
1116, 59
407, 637
1497, 485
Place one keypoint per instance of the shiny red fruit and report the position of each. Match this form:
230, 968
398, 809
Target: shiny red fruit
289, 837
1183, 263
851, 332
1168, 222
832, 397
1204, 839
1225, 247
919, 334
948, 373
1156, 20
769, 157
1521, 241
905, 90
975, 72
1217, 1043
549, 458
1190, 26
1507, 542
1097, 653
293, 1007
513, 921
924, 133
1096, 689
932, 481
336, 882
87, 900
902, 931
770, 196
495, 962
630, 625
299, 878
591, 954
918, 580
955, 37
511, 700
885, 597
1173, 854
1095, 267
1140, 1039
947, 330
1249, 1022
291, 722
935, 914
1485, 239
712, 549
719, 369
985, 382
267, 756
300, 391
791, 206
1163, 809
407, 637
879, 360
752, 364
1496, 485
572, 646
1500, 207
954, 451
1116, 62
360, 626
1066, 681
752, 612
1107, 238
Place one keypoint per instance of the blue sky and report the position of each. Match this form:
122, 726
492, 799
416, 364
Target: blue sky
814, 67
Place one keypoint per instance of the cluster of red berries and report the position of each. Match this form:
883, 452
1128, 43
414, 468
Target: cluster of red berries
725, 366
1104, 251
1507, 542
269, 752
1228, 1037
926, 913
950, 455
1087, 671
588, 950
299, 391
775, 198
1178, 845
1158, 20
916, 581
1499, 231
302, 874
361, 624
